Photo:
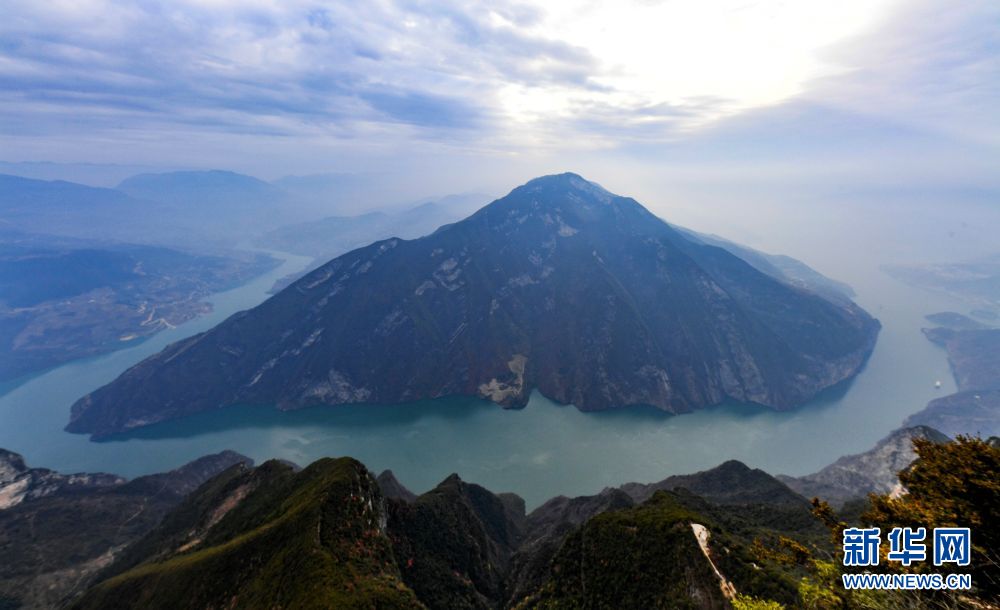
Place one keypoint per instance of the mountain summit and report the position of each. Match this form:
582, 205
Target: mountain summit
560, 286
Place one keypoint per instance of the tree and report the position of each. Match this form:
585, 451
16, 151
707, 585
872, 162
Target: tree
953, 484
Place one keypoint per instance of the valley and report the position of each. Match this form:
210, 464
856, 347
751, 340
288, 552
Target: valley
65, 299
544, 448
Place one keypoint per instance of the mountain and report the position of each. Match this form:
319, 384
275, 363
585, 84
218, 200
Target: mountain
973, 412
545, 528
974, 356
215, 187
19, 483
393, 489
226, 206
269, 538
454, 544
779, 266
332, 236
326, 537
191, 209
730, 483
90, 174
57, 532
560, 286
874, 471
672, 551
63, 208
329, 237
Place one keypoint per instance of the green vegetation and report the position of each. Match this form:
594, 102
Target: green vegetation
648, 557
326, 538
954, 484
454, 545
746, 602
312, 539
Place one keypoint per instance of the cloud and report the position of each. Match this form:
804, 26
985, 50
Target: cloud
427, 65
933, 67
186, 81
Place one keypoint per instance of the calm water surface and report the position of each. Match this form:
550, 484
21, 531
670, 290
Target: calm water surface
548, 449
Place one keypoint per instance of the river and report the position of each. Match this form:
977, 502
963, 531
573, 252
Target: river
546, 449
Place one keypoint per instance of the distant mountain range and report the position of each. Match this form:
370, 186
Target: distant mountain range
223, 209
145, 215
216, 187
332, 236
210, 209
559, 286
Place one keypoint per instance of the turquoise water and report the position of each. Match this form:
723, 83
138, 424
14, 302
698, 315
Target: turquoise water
540, 451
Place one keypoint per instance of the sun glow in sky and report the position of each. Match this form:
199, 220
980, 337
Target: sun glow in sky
696, 60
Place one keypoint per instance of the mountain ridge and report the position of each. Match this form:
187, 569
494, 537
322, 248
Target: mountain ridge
479, 308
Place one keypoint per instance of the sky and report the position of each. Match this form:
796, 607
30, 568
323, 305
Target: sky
458, 95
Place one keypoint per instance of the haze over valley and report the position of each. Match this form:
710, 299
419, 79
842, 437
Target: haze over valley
318, 304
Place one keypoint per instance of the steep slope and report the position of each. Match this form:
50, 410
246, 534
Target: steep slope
544, 531
874, 471
393, 489
778, 266
669, 552
312, 539
454, 544
559, 286
58, 531
19, 483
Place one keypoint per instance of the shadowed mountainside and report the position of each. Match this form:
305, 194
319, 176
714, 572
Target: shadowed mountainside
560, 286
57, 532
327, 536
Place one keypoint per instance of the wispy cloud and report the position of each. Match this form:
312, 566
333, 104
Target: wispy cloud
422, 64
180, 80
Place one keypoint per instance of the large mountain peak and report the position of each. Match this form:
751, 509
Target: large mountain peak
551, 219
560, 286
566, 183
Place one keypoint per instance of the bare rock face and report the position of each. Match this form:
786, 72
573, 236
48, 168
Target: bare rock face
19, 483
560, 287
60, 531
874, 471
